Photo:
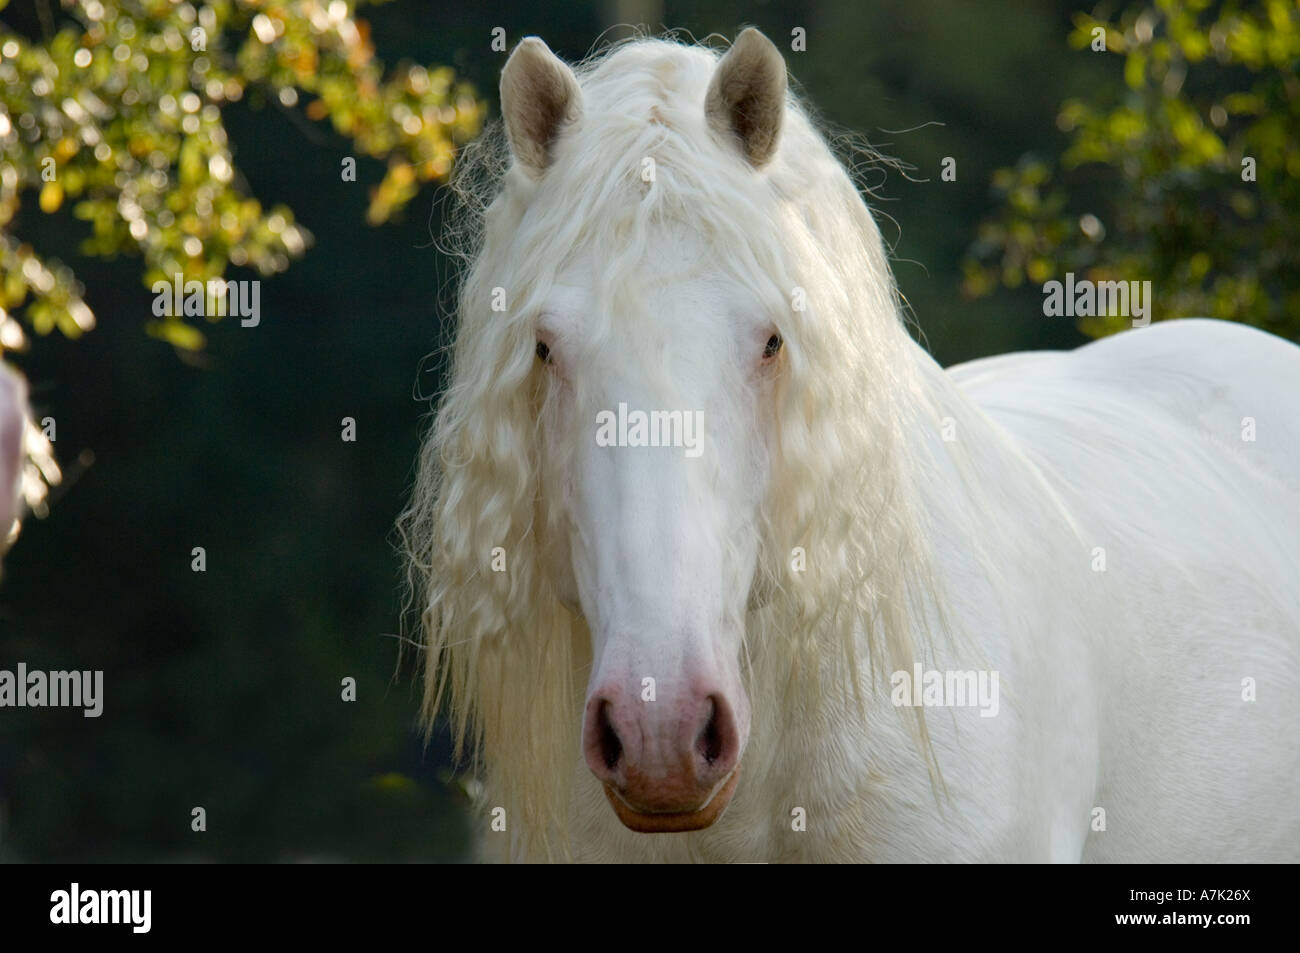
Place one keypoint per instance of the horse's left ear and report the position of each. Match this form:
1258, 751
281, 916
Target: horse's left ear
746, 98
539, 97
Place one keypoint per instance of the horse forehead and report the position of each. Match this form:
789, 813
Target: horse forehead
671, 284
649, 76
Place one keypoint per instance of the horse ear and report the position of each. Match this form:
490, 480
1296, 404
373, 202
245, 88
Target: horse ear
539, 96
746, 98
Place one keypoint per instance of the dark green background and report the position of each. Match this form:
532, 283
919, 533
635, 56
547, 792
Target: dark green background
223, 688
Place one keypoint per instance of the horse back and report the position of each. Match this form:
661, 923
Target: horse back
1173, 454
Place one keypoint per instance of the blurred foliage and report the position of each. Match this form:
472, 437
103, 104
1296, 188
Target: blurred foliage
1185, 172
120, 110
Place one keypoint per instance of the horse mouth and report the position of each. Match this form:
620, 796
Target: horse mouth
676, 822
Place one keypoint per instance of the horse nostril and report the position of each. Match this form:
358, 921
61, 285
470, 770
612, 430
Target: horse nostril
710, 741
611, 749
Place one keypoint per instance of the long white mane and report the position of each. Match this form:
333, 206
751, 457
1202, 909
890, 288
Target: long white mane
845, 582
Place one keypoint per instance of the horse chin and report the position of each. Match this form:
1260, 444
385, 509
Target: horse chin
677, 822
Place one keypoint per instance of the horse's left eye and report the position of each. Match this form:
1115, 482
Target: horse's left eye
773, 345
543, 352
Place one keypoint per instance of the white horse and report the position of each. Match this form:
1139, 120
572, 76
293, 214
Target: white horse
706, 651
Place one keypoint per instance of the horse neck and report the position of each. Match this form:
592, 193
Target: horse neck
963, 461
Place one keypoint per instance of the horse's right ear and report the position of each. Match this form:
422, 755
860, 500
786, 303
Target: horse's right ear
539, 97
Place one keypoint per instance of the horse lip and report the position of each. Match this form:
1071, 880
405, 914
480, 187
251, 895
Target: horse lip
677, 822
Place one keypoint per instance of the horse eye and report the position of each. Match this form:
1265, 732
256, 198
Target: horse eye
543, 352
773, 345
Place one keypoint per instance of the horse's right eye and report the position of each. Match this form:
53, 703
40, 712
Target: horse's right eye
543, 352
